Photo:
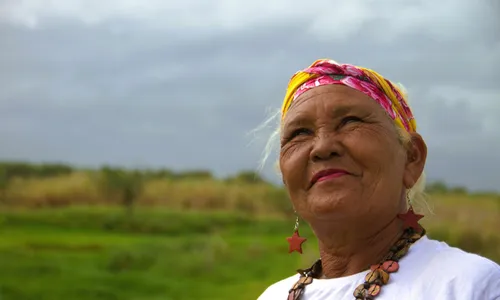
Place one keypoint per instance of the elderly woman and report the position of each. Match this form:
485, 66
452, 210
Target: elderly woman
353, 163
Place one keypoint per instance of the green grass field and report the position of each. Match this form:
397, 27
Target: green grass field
96, 253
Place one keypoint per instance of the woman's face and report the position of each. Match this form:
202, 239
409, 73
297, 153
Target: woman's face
341, 157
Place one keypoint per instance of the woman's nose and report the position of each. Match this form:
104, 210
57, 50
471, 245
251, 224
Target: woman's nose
325, 147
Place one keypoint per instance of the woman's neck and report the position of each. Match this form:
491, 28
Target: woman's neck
346, 253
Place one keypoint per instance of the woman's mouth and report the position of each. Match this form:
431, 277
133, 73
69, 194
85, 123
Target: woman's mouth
328, 174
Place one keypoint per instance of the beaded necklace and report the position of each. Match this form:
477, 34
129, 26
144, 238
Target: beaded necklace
378, 275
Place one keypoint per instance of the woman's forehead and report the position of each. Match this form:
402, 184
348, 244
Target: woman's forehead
337, 100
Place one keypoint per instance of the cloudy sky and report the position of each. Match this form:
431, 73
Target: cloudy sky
179, 84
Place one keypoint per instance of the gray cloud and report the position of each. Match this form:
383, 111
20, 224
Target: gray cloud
99, 88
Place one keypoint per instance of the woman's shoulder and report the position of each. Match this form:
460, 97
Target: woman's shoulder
453, 270
443, 255
279, 290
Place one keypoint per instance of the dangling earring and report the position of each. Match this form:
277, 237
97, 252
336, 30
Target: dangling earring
295, 241
410, 218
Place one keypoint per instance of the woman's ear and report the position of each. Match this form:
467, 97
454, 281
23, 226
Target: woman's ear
416, 154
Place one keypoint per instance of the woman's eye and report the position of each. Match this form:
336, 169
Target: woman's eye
300, 131
349, 119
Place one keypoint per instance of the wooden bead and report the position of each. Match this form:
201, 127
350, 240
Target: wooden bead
305, 280
383, 276
360, 292
414, 237
374, 290
390, 266
400, 244
372, 276
398, 255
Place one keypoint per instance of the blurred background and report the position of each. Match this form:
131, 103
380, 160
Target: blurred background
127, 168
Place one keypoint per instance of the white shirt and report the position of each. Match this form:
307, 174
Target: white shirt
430, 270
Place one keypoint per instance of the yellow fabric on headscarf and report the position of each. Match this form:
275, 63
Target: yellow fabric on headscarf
355, 77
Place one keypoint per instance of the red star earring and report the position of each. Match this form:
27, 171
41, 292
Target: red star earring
295, 241
410, 218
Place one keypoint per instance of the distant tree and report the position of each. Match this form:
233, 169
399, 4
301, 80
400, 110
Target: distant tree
18, 169
48, 170
246, 177
4, 184
159, 174
194, 174
459, 190
27, 170
126, 185
437, 187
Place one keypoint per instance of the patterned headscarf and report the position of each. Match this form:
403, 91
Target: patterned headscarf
325, 71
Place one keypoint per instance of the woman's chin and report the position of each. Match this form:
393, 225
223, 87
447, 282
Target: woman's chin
330, 206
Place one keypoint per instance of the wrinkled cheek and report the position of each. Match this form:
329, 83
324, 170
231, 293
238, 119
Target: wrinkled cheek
293, 165
289, 173
282, 166
298, 198
296, 167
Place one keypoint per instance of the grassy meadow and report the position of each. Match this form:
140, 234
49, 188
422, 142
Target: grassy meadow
111, 234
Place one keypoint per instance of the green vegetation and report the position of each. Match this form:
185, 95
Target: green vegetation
94, 253
158, 234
